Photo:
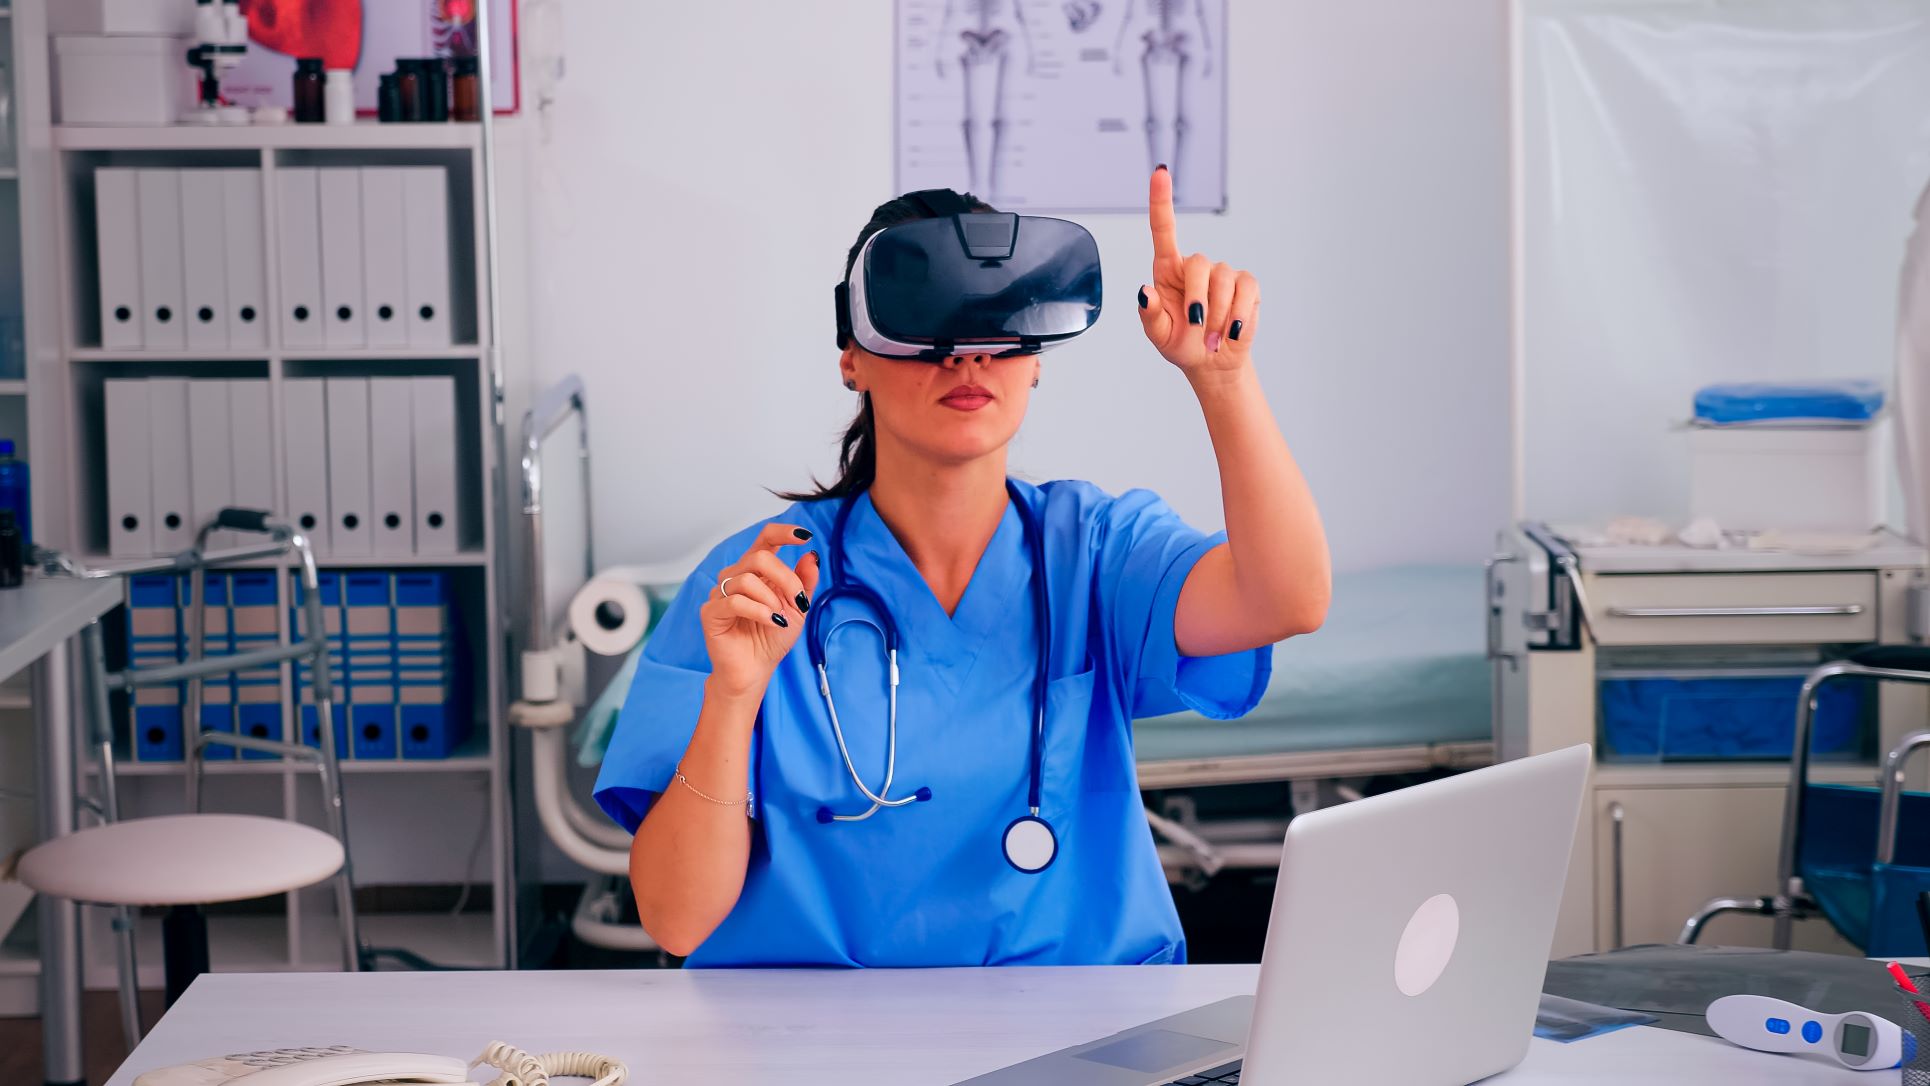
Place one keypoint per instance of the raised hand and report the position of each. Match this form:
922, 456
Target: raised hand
1197, 313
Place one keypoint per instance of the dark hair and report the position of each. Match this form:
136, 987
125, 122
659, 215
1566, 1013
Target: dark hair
858, 449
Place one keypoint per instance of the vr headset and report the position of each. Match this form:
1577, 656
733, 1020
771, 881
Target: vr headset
966, 282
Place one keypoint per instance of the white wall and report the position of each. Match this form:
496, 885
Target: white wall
703, 168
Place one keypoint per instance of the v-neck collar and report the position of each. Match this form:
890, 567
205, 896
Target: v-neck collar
990, 606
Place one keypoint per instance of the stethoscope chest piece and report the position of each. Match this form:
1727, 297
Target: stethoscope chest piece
1030, 844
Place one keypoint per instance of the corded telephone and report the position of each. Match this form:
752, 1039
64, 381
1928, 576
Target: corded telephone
340, 1065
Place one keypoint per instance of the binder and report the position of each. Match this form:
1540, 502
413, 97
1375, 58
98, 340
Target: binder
130, 506
433, 403
434, 718
331, 598
217, 692
117, 247
348, 466
300, 223
159, 196
153, 640
204, 247
392, 488
211, 455
425, 203
168, 464
385, 276
369, 622
257, 691
244, 260
305, 417
341, 206
251, 436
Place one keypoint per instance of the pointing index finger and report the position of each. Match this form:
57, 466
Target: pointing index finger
1159, 209
779, 535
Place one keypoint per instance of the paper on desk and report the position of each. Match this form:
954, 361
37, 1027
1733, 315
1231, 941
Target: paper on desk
1566, 1020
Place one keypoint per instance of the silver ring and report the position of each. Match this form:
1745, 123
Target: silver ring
723, 586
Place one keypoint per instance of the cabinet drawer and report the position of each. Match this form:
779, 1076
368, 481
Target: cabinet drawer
1733, 609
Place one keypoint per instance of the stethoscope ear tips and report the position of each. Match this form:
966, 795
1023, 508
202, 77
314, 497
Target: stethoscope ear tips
825, 816
923, 795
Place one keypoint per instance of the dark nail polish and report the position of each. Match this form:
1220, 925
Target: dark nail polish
779, 619
1162, 165
1234, 332
1142, 297
801, 533
1196, 313
803, 603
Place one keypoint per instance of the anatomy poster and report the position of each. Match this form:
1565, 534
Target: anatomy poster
1063, 104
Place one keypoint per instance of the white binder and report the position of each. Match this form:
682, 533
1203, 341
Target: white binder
169, 465
203, 252
211, 455
117, 232
385, 278
305, 419
245, 262
159, 195
251, 436
434, 405
392, 488
341, 203
130, 531
300, 216
348, 467
425, 202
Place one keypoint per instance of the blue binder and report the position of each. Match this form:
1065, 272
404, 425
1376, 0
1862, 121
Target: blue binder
369, 622
154, 640
331, 593
217, 692
252, 619
434, 717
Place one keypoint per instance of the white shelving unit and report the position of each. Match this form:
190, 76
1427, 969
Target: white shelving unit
410, 822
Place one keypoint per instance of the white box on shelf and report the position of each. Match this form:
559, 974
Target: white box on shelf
425, 200
130, 502
245, 261
159, 193
1816, 479
433, 403
341, 208
169, 17
117, 235
392, 490
348, 466
203, 252
251, 434
305, 421
169, 464
385, 276
211, 454
116, 80
301, 258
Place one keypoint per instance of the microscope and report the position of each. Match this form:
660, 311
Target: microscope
220, 41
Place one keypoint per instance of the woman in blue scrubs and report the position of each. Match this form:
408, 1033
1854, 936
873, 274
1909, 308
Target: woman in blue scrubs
726, 763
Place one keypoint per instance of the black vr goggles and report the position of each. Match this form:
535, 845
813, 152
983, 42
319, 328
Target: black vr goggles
968, 282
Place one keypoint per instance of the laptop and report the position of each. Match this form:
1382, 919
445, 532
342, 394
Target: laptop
1407, 945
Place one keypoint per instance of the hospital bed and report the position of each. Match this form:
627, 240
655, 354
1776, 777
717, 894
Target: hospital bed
1397, 681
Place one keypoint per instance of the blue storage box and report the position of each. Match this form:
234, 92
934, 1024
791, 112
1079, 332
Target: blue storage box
1846, 401
1659, 718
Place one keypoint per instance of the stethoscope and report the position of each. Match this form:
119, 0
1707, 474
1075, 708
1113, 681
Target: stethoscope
1030, 843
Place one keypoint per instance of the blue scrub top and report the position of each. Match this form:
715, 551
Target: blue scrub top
928, 884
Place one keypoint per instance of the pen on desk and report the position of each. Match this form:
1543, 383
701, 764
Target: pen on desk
1903, 981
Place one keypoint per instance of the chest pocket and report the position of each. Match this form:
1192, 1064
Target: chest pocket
1080, 754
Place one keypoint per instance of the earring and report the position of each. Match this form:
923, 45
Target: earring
1035, 382
851, 386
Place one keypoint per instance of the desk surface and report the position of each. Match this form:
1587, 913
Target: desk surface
45, 611
724, 1028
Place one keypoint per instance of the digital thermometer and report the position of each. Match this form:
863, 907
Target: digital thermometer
1857, 1040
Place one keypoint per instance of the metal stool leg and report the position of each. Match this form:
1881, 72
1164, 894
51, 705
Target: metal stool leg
101, 731
129, 976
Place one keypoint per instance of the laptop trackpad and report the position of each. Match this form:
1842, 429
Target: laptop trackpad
1156, 1050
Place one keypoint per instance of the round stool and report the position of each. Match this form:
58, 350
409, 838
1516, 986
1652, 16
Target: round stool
183, 861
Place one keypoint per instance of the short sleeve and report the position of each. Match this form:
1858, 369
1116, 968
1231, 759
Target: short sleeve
659, 714
1145, 553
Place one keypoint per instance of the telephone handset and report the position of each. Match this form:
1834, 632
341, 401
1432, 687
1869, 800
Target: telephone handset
340, 1065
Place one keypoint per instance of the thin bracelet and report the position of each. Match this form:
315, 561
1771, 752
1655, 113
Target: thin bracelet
701, 794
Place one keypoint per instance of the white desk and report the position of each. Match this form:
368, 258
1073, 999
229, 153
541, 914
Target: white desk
904, 1028
36, 621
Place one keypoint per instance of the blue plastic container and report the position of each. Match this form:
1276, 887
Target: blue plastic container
1717, 719
16, 492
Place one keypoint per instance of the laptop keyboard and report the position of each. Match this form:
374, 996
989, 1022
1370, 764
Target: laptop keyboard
1227, 1074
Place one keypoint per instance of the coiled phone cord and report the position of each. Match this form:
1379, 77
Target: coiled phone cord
519, 1068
